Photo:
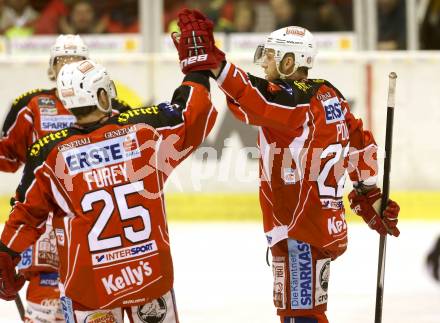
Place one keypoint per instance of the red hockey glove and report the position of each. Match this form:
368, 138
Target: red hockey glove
195, 43
367, 206
10, 282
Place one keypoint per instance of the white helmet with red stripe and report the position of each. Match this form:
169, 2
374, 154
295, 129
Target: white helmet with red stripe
67, 45
296, 40
78, 85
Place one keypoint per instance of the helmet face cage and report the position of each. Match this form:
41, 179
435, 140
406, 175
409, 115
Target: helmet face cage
262, 50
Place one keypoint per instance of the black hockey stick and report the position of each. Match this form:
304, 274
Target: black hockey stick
20, 307
385, 194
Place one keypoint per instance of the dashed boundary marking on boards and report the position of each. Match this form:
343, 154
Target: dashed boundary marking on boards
415, 205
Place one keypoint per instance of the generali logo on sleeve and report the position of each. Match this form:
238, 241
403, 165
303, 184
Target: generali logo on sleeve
85, 67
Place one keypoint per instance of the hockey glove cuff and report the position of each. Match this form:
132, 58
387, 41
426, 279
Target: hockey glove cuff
367, 205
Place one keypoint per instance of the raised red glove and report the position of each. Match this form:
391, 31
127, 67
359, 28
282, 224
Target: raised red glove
10, 282
367, 206
195, 43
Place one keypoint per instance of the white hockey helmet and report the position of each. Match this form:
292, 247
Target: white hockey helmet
68, 45
292, 39
78, 84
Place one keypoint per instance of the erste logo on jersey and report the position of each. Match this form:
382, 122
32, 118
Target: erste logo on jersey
56, 122
333, 110
102, 153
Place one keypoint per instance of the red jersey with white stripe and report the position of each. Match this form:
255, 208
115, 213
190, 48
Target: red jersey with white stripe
308, 140
104, 185
32, 116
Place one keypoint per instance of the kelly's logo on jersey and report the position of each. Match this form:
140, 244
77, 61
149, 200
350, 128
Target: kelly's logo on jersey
102, 153
129, 277
333, 110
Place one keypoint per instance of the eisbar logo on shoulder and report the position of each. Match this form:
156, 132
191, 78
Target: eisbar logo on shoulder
102, 153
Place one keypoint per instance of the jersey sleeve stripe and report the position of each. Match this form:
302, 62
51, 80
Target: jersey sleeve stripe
67, 280
207, 122
9, 245
7, 130
8, 159
223, 74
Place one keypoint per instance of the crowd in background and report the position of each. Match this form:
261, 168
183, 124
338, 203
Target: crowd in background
27, 17
265, 15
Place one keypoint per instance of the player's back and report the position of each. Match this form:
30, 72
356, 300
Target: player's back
103, 183
308, 174
111, 232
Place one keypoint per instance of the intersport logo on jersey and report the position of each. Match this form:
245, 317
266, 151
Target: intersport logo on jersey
102, 153
124, 253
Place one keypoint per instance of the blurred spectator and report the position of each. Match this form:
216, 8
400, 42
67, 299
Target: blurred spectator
123, 16
285, 13
329, 18
430, 28
315, 15
17, 18
244, 17
50, 16
392, 24
82, 19
221, 12
5, 22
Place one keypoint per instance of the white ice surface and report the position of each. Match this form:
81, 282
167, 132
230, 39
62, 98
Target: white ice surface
221, 276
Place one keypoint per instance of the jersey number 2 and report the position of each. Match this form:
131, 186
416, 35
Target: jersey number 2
339, 153
125, 213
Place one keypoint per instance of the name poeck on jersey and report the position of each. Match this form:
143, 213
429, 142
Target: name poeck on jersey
102, 153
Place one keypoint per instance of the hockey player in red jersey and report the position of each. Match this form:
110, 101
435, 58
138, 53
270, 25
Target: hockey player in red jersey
102, 180
32, 116
308, 140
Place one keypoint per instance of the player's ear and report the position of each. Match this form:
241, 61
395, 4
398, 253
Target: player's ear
103, 98
288, 63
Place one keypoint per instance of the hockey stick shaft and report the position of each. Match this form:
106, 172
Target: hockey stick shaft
385, 194
20, 307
